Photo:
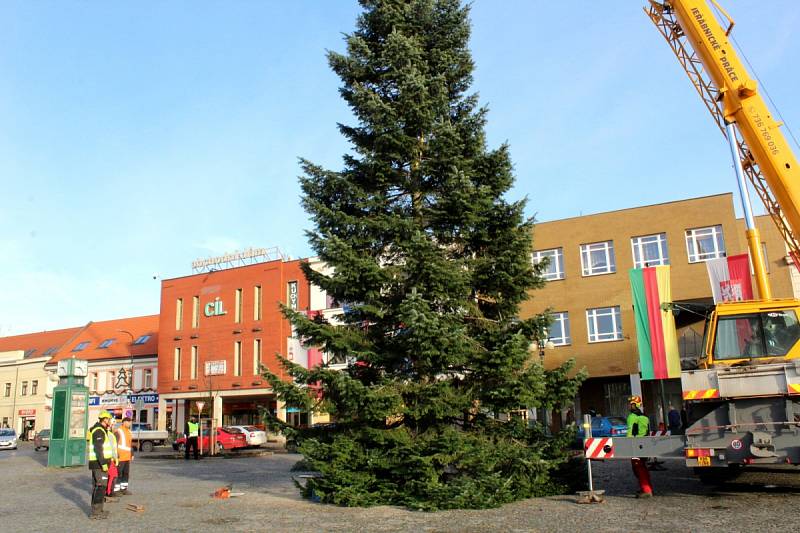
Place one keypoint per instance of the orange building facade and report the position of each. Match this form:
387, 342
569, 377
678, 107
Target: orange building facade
216, 329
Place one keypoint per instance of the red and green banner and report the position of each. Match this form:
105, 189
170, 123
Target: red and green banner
655, 328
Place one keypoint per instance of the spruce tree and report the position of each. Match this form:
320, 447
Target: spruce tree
430, 262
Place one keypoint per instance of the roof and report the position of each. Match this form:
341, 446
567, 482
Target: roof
39, 344
122, 338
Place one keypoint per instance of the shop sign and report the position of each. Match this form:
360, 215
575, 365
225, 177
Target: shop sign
146, 398
27, 412
214, 308
113, 400
293, 297
215, 368
94, 401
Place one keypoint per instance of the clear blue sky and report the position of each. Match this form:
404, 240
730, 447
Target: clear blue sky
136, 137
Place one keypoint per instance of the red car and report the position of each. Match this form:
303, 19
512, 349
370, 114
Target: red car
227, 439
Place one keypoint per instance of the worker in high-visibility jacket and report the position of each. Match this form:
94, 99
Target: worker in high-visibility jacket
124, 454
100, 458
638, 426
192, 433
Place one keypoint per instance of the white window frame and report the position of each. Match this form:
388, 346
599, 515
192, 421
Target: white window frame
637, 249
256, 356
147, 378
195, 362
556, 256
592, 321
176, 371
237, 358
562, 318
606, 247
693, 250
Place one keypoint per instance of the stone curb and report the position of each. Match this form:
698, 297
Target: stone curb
176, 456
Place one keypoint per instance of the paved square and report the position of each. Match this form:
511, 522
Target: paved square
176, 497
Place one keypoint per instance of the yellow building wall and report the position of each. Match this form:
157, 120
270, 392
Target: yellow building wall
577, 293
16, 373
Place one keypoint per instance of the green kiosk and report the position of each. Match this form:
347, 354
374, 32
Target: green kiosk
70, 415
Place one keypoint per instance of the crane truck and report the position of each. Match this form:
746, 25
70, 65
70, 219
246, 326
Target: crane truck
743, 400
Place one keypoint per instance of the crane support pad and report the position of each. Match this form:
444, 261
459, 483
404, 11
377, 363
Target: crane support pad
666, 447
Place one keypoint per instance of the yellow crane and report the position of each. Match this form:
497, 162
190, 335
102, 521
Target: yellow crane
761, 155
744, 405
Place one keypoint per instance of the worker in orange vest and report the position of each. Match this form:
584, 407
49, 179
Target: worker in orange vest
125, 455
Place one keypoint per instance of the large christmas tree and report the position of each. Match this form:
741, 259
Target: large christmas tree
430, 262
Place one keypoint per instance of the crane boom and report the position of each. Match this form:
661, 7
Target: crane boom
731, 95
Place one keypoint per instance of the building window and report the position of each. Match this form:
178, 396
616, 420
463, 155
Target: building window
106, 343
650, 250
80, 346
176, 373
257, 302
598, 258
703, 244
5, 421
194, 362
51, 350
195, 311
7, 393
604, 324
256, 356
141, 340
93, 379
237, 304
555, 266
111, 381
148, 378
143, 416
237, 358
24, 388
34, 387
178, 314
558, 332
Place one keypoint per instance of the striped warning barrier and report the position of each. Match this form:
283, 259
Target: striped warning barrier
599, 448
704, 394
794, 388
660, 433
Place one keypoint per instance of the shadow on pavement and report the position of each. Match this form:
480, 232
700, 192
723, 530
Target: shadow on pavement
76, 492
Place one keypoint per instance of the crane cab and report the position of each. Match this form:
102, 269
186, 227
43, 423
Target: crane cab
753, 332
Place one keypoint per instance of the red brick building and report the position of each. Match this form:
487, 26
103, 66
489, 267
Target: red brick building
216, 328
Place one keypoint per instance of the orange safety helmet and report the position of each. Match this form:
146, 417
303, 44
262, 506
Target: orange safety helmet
635, 400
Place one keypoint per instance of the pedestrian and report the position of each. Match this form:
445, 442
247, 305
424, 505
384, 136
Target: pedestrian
125, 455
192, 433
674, 420
100, 457
638, 426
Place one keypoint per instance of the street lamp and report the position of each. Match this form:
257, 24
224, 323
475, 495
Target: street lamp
130, 353
543, 344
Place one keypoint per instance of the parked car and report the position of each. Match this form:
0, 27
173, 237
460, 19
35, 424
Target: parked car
8, 439
254, 436
42, 440
145, 438
227, 439
606, 426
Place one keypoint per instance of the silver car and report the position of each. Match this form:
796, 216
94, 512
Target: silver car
8, 439
255, 436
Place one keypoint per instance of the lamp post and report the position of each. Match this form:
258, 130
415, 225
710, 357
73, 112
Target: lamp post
130, 354
543, 343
